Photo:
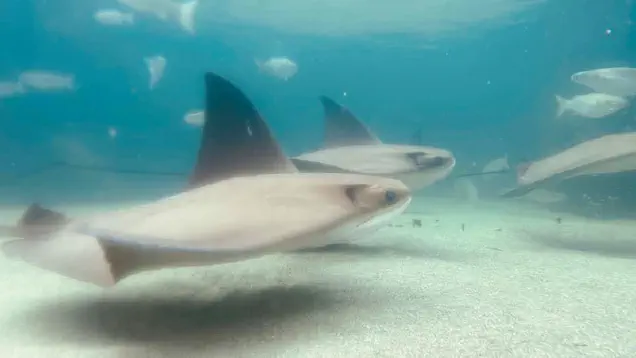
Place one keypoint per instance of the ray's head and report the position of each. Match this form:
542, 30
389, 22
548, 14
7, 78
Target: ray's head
352, 147
437, 159
384, 195
374, 201
425, 165
578, 76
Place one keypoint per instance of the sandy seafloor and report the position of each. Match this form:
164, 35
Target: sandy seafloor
513, 283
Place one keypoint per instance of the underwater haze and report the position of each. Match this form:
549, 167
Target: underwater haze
102, 106
476, 79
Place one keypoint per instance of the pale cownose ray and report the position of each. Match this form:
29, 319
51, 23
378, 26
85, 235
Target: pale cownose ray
245, 200
608, 154
350, 147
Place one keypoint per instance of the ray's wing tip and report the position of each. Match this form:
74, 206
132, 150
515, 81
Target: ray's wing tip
329, 104
25, 250
212, 78
515, 192
10, 248
324, 99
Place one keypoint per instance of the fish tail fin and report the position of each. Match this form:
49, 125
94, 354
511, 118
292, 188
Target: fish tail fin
522, 169
562, 105
258, 63
20, 87
187, 15
506, 164
72, 83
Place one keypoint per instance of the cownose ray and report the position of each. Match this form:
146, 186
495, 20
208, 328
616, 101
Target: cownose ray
611, 153
356, 133
351, 147
245, 199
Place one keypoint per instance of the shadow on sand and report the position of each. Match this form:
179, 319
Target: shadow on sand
178, 324
605, 246
377, 250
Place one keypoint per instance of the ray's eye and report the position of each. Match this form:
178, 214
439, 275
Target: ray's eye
390, 197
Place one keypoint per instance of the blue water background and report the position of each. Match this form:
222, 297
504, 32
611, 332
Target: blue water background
479, 94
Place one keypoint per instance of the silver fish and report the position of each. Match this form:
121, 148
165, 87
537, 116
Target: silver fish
167, 10
591, 105
617, 81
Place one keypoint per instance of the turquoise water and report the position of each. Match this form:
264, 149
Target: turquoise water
448, 278
480, 90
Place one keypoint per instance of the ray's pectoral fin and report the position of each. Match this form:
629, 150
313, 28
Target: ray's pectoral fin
307, 166
38, 215
67, 253
235, 140
342, 128
517, 192
548, 181
35, 221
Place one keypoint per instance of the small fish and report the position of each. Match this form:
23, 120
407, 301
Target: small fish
167, 10
47, 80
156, 66
10, 89
466, 190
591, 105
617, 81
280, 67
113, 17
195, 118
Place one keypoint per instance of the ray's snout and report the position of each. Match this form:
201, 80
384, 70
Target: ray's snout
425, 160
441, 161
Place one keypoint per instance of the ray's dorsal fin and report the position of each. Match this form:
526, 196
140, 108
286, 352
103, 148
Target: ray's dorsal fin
342, 128
235, 140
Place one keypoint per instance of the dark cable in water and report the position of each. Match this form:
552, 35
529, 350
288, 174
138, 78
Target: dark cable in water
113, 170
474, 174
118, 170
103, 169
